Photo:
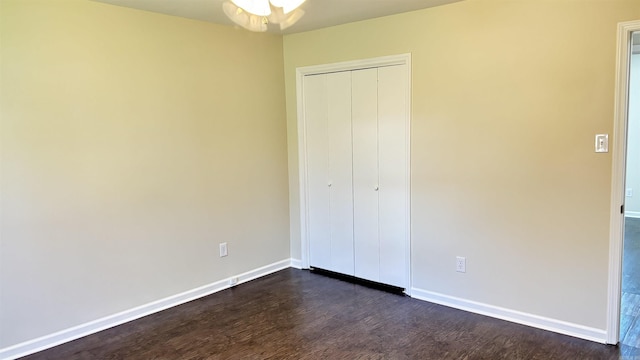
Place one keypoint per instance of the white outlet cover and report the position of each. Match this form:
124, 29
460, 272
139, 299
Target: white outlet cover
461, 264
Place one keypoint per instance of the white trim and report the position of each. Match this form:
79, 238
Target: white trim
409, 247
301, 72
632, 214
391, 60
616, 221
302, 171
541, 322
91, 327
296, 263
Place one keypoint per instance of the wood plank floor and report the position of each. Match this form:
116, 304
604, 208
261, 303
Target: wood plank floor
297, 314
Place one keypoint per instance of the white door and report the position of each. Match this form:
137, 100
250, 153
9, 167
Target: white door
328, 133
340, 168
355, 188
393, 207
380, 174
317, 143
364, 112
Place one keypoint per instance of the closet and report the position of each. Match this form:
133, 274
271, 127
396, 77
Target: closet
355, 137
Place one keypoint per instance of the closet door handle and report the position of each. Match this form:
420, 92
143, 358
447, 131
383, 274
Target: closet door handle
329, 184
376, 188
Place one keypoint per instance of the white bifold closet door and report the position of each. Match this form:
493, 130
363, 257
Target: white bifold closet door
364, 112
380, 170
393, 176
356, 139
329, 169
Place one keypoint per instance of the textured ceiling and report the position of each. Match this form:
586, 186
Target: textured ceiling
319, 13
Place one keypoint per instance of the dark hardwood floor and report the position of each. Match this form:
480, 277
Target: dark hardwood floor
297, 314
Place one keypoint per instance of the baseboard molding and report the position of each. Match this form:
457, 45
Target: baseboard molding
76, 332
558, 326
296, 263
632, 214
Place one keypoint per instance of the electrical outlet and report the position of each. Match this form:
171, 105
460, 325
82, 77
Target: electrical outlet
223, 249
461, 264
629, 192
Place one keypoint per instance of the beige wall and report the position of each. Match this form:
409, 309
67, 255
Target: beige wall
132, 143
507, 98
128, 152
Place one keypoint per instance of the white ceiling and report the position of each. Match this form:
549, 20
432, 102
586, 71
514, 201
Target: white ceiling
319, 13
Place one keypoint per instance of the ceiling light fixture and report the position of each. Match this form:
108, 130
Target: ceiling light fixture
255, 15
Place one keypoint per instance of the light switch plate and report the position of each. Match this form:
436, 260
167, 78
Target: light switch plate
602, 143
223, 249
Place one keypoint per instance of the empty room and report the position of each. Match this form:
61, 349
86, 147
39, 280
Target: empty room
319, 179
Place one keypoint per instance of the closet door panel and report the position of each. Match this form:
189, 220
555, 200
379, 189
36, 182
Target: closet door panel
316, 133
393, 162
365, 173
340, 172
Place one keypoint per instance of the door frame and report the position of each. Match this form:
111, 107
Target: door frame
301, 72
618, 173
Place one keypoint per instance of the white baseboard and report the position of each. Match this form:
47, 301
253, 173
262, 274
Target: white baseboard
296, 263
558, 326
632, 214
76, 332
